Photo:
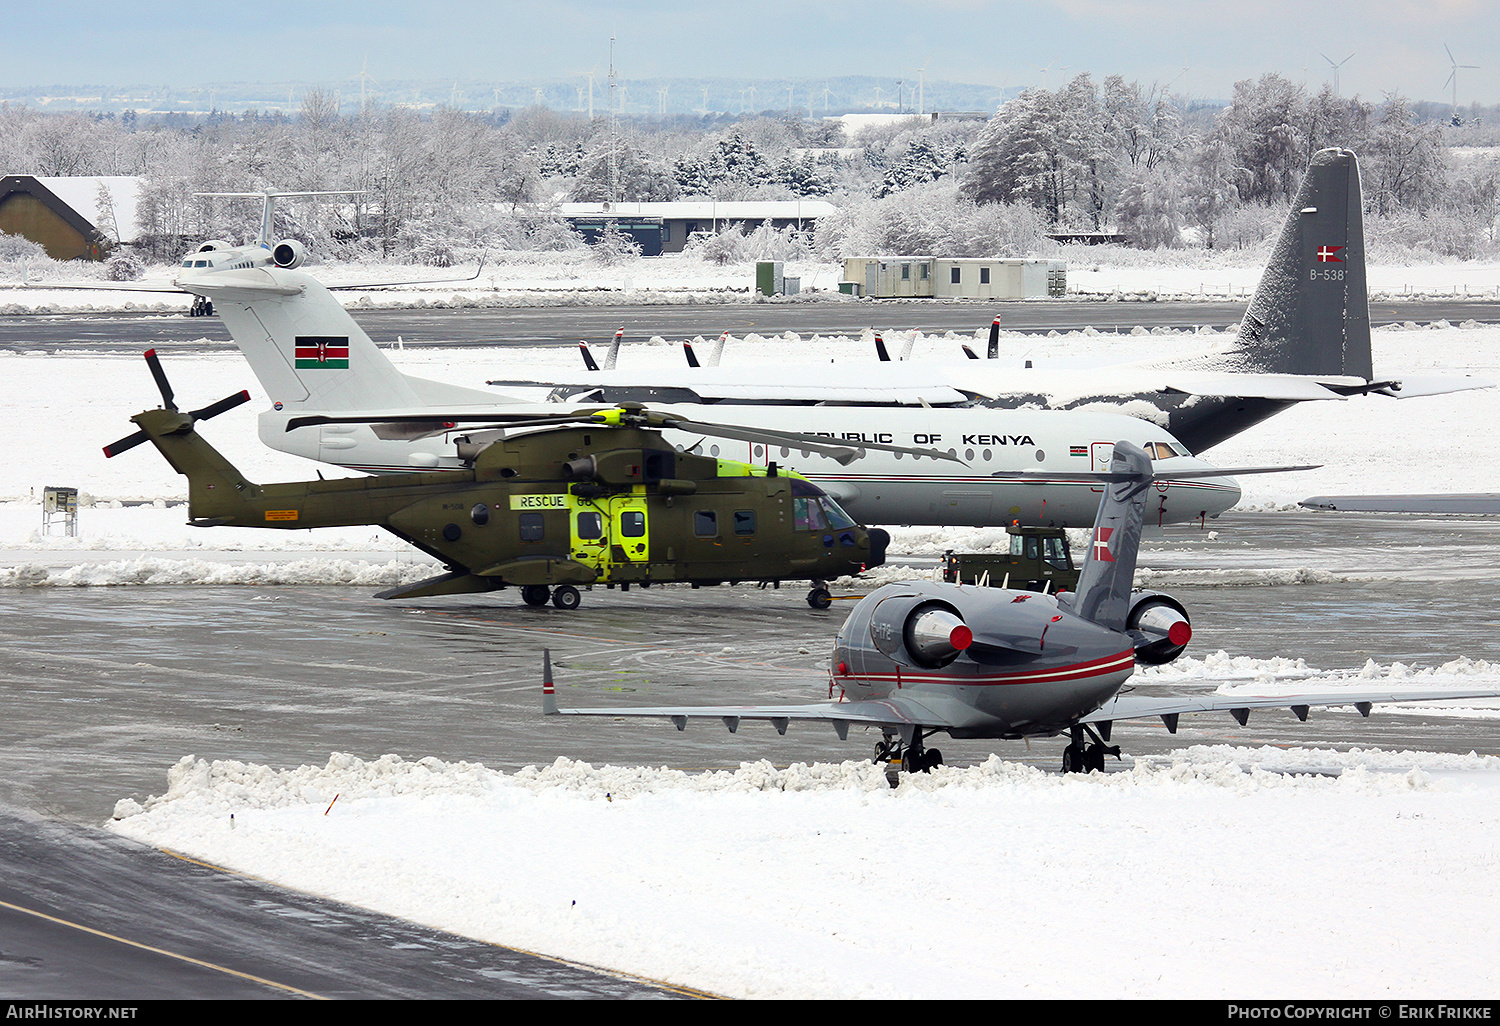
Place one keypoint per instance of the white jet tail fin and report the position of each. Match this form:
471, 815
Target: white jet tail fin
308, 353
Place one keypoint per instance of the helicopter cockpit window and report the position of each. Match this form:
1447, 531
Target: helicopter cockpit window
633, 524
590, 526
531, 527
808, 514
837, 518
744, 521
705, 523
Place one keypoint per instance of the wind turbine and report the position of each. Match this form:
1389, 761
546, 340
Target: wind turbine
364, 77
1336, 68
921, 83
1453, 76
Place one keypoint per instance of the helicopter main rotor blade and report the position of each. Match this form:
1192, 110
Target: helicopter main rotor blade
625, 414
222, 406
792, 439
125, 444
162, 385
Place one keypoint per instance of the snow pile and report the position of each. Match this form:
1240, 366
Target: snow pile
153, 571
1214, 866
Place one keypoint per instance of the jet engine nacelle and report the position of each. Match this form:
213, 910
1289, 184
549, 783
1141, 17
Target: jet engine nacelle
289, 253
1159, 626
930, 632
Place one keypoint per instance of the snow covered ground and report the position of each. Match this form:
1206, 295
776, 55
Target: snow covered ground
1209, 874
573, 279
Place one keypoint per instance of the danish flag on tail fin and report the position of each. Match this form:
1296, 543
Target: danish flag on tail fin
1327, 254
1101, 544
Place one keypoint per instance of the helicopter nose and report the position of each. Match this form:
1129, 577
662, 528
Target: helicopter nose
879, 540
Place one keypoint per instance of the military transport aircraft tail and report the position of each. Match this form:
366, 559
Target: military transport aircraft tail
1311, 312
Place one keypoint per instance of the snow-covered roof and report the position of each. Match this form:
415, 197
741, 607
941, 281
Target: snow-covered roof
708, 210
81, 192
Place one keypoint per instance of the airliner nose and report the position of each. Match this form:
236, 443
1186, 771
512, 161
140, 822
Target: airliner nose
1195, 497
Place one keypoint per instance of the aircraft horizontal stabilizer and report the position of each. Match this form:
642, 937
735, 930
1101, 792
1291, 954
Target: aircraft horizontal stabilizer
1414, 385
1281, 387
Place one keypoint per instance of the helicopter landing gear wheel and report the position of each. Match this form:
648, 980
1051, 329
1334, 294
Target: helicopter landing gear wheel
819, 598
535, 594
565, 596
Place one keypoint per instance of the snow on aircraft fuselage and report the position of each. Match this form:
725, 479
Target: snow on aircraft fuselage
312, 358
1305, 336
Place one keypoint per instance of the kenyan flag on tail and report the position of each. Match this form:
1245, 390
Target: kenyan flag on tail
322, 352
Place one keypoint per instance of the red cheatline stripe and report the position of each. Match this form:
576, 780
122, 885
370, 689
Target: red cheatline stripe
1076, 671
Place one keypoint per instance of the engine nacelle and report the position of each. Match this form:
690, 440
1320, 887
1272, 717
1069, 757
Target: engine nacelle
930, 633
289, 253
213, 244
1159, 626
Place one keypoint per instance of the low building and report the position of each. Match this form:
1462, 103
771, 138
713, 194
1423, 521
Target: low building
666, 227
73, 218
888, 277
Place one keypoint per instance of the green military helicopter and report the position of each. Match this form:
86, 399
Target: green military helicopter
552, 502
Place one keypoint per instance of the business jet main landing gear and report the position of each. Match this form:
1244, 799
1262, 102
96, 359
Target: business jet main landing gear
1085, 756
910, 758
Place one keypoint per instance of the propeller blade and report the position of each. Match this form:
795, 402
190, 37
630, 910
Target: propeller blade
993, 352
588, 357
160, 375
970, 353
687, 350
222, 406
880, 352
611, 358
125, 444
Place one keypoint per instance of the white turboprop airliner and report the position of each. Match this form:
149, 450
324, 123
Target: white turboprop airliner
336, 398
316, 363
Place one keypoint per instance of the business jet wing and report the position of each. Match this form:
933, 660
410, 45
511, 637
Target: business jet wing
346, 286
1168, 708
897, 713
111, 286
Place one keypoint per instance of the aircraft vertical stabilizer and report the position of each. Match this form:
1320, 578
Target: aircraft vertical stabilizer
1311, 312
1108, 575
308, 352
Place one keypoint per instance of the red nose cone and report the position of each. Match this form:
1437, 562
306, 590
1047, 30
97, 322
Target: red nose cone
1180, 633
961, 638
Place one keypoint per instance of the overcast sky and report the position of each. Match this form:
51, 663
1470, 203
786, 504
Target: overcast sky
1397, 45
